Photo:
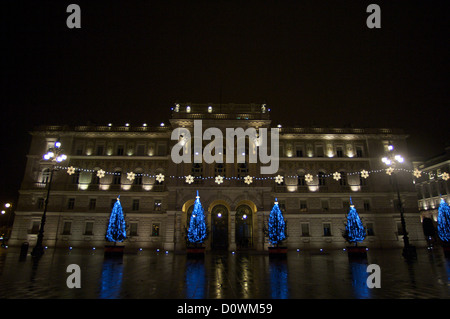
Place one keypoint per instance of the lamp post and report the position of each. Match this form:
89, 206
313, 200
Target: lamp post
392, 160
5, 235
54, 156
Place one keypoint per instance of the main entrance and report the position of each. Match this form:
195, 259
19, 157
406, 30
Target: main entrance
219, 221
244, 227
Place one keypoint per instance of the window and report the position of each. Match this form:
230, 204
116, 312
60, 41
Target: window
242, 170
79, 149
219, 169
322, 179
303, 206
319, 151
369, 229
155, 230
161, 150
35, 227
366, 205
113, 201
135, 205
92, 203
399, 229
282, 205
76, 177
71, 203
45, 176
346, 205
343, 180
100, 150
327, 229
299, 151
197, 172
140, 150
117, 178
137, 179
157, 205
339, 151
119, 150
40, 203
305, 230
324, 204
133, 229
362, 180
88, 227
301, 180
66, 228
359, 151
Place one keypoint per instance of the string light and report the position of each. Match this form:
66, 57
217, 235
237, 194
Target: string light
279, 179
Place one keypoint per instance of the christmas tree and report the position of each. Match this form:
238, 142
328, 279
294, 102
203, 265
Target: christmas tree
354, 229
197, 231
276, 226
443, 221
116, 231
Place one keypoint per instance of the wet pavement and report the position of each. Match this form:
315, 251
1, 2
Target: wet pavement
161, 275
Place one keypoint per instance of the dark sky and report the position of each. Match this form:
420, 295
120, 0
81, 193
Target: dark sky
313, 62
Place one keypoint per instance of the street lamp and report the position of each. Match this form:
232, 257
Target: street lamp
392, 160
6, 233
54, 155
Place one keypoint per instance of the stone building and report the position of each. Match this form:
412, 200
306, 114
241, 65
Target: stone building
157, 209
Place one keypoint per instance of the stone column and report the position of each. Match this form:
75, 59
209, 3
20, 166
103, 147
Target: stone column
232, 232
170, 231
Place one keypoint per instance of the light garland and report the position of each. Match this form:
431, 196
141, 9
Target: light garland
279, 179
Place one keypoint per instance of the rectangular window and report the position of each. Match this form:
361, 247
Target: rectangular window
40, 203
120, 149
324, 204
140, 150
157, 205
133, 229
359, 151
327, 229
161, 150
303, 206
346, 205
339, 151
88, 228
135, 205
305, 230
366, 205
92, 203
399, 229
369, 229
100, 150
35, 227
66, 228
71, 203
319, 151
155, 230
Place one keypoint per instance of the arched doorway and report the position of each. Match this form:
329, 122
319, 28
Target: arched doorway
219, 221
244, 229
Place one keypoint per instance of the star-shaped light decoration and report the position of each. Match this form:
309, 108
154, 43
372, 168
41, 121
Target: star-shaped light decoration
445, 176
308, 178
189, 179
389, 171
417, 173
219, 179
71, 170
364, 173
248, 179
100, 173
160, 178
337, 176
131, 176
278, 179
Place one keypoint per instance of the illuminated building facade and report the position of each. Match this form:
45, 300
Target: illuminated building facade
157, 210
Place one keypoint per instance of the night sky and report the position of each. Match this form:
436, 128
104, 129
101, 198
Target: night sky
313, 62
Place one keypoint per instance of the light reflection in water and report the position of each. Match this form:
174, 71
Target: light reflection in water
359, 275
195, 279
111, 280
279, 279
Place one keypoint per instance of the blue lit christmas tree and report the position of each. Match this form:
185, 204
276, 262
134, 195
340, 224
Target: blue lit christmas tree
276, 227
443, 221
197, 231
354, 229
116, 231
